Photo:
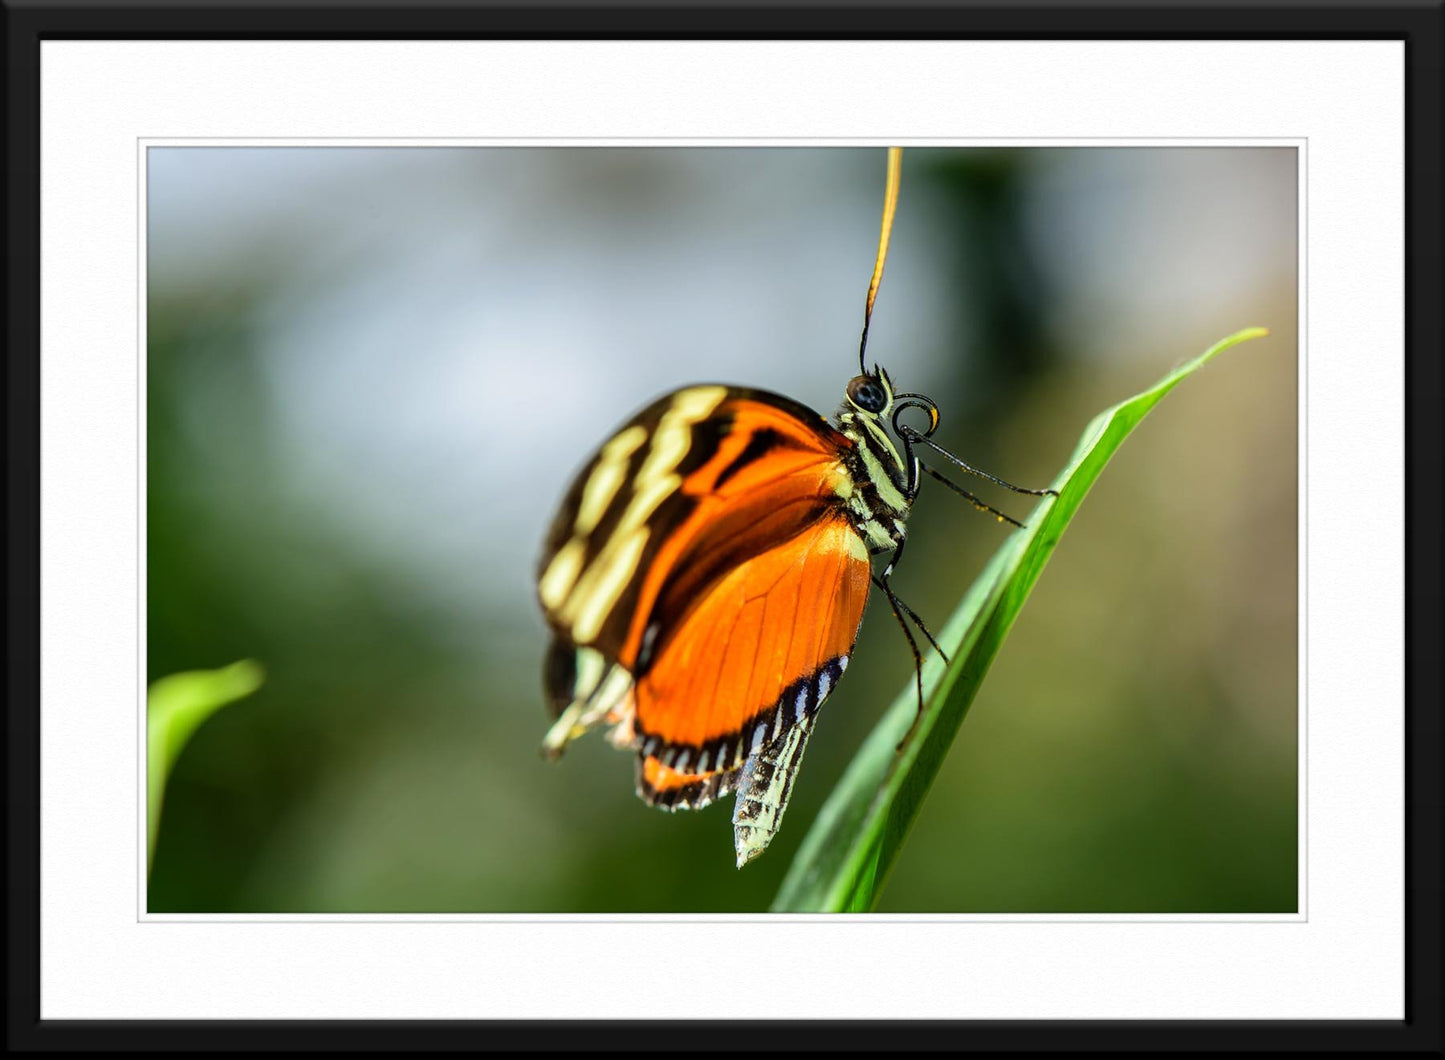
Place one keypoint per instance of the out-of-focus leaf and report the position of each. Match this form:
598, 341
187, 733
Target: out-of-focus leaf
175, 707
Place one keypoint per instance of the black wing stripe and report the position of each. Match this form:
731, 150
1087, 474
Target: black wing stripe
763, 442
686, 796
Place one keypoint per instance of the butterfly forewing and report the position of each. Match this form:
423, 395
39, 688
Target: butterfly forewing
694, 484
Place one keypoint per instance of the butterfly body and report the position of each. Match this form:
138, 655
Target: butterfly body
704, 581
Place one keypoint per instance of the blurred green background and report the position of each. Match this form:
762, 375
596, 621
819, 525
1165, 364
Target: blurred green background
372, 372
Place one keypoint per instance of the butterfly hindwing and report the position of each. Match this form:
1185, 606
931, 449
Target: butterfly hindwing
729, 703
763, 786
669, 789
752, 655
763, 782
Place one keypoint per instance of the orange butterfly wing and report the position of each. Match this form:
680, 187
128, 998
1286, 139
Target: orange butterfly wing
707, 604
753, 655
696, 483
730, 703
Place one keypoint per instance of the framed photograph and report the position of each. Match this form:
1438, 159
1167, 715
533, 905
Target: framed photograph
409, 408
424, 437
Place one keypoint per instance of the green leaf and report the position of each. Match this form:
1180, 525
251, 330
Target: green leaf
844, 860
175, 707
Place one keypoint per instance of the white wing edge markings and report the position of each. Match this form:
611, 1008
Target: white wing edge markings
764, 785
765, 780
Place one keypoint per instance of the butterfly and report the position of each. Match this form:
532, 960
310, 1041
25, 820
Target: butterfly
705, 577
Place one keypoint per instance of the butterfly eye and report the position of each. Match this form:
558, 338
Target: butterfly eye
867, 393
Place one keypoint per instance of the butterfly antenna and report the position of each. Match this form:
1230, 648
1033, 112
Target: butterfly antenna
890, 203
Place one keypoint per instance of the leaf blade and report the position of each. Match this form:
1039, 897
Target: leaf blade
844, 860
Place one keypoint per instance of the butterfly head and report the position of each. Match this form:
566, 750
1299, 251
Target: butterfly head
871, 394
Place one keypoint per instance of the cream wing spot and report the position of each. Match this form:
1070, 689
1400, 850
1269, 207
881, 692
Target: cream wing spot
561, 573
650, 494
697, 402
657, 480
590, 667
598, 590
669, 445
607, 478
584, 596
673, 434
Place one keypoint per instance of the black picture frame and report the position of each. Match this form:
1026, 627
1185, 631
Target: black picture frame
1418, 24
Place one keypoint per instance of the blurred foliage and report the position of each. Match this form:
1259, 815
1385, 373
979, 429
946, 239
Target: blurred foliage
982, 213
1134, 749
175, 708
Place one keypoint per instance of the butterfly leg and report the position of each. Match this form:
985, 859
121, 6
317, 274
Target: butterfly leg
980, 505
899, 608
915, 436
893, 603
898, 601
922, 627
916, 466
